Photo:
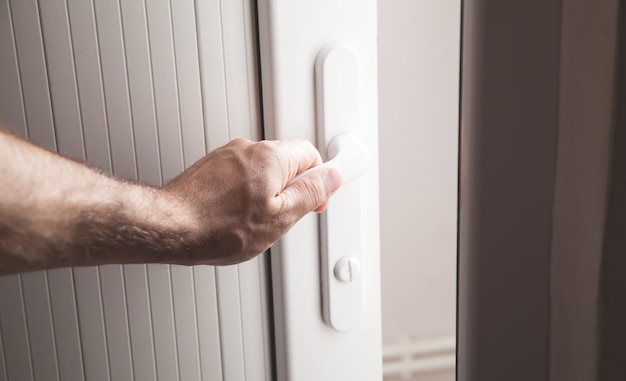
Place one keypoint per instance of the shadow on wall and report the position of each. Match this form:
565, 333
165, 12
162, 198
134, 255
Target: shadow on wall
612, 324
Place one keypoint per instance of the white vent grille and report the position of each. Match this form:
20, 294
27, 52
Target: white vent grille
417, 356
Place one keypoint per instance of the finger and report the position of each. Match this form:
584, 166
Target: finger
322, 207
296, 156
311, 192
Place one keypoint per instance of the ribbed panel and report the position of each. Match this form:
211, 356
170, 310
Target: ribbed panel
141, 89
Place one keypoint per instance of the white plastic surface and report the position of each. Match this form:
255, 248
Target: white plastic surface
347, 154
337, 89
291, 36
341, 231
347, 270
337, 92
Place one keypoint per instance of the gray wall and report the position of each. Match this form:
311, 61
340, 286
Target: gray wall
612, 324
536, 119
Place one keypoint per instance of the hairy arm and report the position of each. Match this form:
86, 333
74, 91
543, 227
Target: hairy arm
229, 206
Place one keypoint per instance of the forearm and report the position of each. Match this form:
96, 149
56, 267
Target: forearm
229, 206
56, 212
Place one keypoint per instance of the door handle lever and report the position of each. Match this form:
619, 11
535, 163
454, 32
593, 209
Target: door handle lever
345, 152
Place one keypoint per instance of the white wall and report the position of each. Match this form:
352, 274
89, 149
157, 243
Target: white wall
419, 57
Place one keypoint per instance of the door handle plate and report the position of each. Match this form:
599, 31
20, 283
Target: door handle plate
337, 103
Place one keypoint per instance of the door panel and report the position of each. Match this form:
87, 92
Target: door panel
17, 361
140, 90
291, 35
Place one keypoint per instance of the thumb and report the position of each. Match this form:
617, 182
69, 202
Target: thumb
312, 191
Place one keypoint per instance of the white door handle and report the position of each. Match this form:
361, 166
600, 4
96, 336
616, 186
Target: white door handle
337, 98
345, 152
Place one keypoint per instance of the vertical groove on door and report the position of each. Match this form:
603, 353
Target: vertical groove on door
213, 90
147, 156
176, 84
189, 105
169, 145
14, 329
24, 317
89, 85
52, 142
255, 325
224, 69
30, 55
242, 322
165, 88
140, 322
39, 323
227, 278
99, 53
196, 326
185, 320
119, 116
253, 322
252, 64
188, 80
234, 65
209, 29
13, 115
266, 317
3, 362
107, 349
116, 98
68, 131
236, 69
163, 322
87, 285
140, 79
91, 323
242, 63
61, 78
176, 324
229, 312
208, 327
200, 75
34, 286
65, 320
112, 287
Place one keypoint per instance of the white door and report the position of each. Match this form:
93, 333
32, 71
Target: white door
292, 35
141, 90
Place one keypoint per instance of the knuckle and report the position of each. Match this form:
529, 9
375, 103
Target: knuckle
309, 145
281, 217
263, 151
316, 190
240, 141
264, 147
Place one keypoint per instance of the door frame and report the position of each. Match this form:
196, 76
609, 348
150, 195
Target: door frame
291, 34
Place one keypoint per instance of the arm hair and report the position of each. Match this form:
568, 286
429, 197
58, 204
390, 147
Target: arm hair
56, 212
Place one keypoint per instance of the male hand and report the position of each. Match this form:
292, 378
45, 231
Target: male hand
240, 198
228, 207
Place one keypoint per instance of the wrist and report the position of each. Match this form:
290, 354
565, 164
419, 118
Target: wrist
124, 223
158, 227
